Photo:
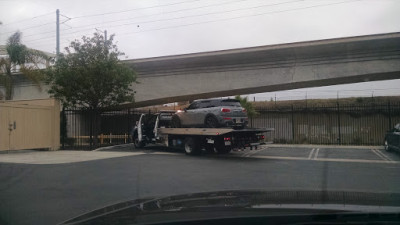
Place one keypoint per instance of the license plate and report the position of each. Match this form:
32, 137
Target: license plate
210, 141
227, 143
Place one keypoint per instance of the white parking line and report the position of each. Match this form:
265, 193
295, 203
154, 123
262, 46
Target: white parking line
311, 153
326, 159
381, 155
316, 154
253, 152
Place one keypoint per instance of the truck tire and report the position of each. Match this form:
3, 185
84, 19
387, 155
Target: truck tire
209, 148
175, 122
192, 146
222, 148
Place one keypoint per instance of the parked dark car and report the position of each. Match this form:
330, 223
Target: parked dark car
211, 113
392, 139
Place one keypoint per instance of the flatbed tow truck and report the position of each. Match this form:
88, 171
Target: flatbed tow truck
154, 129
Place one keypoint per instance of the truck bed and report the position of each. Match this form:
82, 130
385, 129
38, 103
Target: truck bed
209, 131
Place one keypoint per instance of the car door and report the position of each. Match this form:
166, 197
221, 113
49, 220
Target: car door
188, 118
201, 112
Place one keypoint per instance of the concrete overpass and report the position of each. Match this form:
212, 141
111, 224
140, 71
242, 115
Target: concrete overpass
263, 69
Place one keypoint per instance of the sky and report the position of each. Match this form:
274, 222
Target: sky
151, 28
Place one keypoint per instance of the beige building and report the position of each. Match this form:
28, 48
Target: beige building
31, 124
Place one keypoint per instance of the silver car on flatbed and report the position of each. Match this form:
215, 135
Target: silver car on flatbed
211, 113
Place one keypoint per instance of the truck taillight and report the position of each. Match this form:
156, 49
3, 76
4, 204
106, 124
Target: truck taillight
225, 110
244, 110
261, 137
227, 138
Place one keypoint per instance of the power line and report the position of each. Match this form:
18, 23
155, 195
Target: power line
112, 21
28, 28
155, 14
129, 10
78, 17
35, 17
182, 17
240, 17
212, 13
212, 21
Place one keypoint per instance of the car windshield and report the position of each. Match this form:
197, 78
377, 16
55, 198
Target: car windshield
135, 111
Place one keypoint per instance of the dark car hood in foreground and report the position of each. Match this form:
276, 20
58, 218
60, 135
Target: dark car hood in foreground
239, 204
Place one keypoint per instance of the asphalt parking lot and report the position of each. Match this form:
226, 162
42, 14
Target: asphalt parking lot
50, 187
321, 153
351, 154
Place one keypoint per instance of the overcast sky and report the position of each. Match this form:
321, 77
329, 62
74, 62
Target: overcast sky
149, 28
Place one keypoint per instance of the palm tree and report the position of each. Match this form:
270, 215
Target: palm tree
27, 62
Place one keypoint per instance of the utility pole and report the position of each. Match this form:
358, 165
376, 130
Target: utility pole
58, 32
105, 35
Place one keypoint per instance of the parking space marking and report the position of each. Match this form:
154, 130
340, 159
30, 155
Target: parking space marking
383, 158
381, 155
252, 152
311, 153
316, 154
326, 159
384, 155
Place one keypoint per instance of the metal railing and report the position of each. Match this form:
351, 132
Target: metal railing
83, 130
343, 124
355, 124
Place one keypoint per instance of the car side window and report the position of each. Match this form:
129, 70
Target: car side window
204, 104
194, 105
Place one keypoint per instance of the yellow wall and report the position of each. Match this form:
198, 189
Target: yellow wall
37, 124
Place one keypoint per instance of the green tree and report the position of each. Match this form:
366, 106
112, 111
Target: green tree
90, 76
251, 112
23, 60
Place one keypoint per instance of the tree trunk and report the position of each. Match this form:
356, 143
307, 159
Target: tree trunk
9, 86
96, 127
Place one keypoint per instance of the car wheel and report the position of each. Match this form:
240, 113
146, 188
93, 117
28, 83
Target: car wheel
211, 122
191, 146
175, 122
387, 147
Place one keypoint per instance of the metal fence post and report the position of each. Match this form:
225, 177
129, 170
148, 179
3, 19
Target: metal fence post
338, 118
390, 115
292, 124
91, 130
63, 128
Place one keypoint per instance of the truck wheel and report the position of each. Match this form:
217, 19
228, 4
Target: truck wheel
221, 148
209, 148
192, 146
175, 122
211, 122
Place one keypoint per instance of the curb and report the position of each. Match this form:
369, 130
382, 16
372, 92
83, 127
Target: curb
112, 146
